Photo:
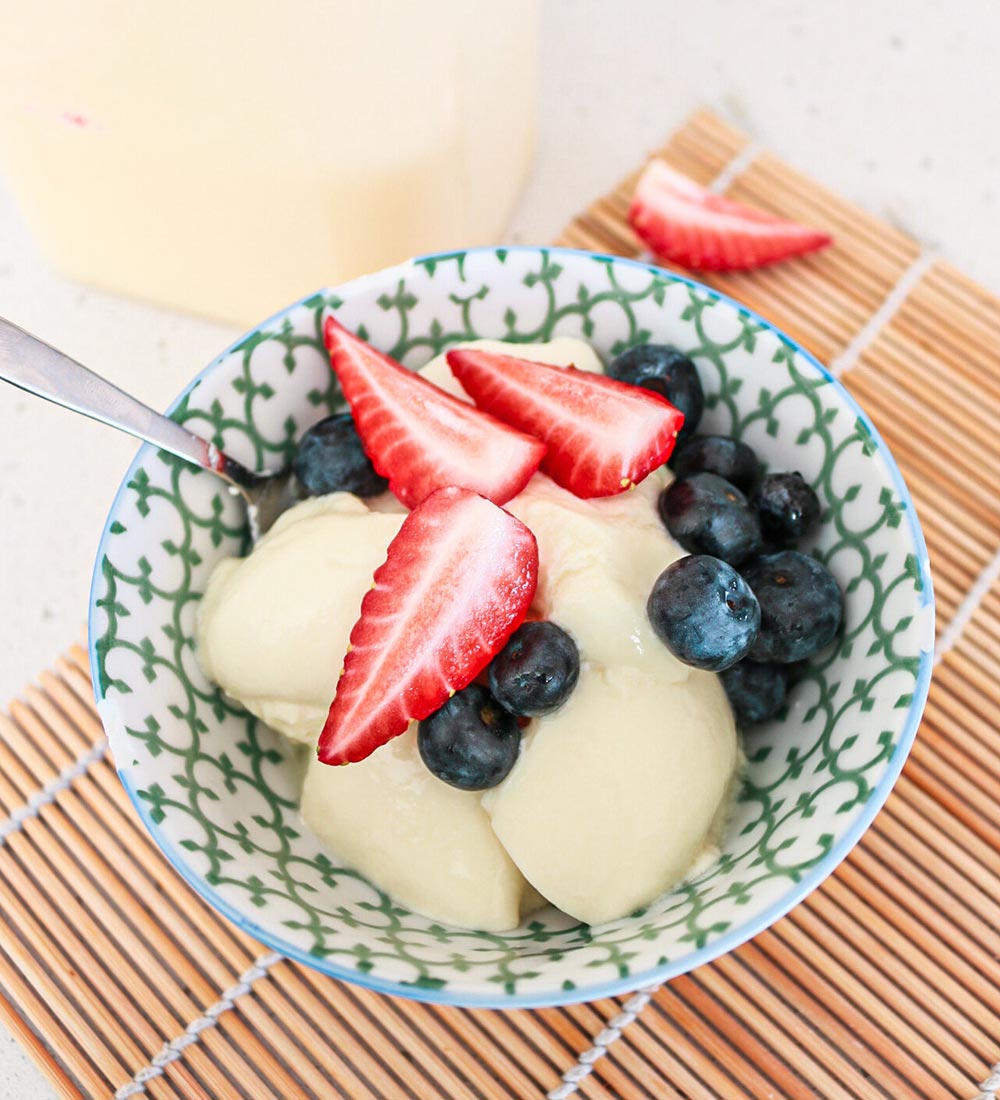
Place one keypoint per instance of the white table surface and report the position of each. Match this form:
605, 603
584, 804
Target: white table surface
892, 104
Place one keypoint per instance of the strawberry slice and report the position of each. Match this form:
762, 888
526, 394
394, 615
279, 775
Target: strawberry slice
420, 437
683, 222
456, 583
602, 436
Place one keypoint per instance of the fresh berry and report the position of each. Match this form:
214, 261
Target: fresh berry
756, 691
704, 612
666, 371
689, 225
330, 459
800, 606
708, 515
456, 583
471, 742
602, 436
420, 437
536, 670
788, 507
717, 454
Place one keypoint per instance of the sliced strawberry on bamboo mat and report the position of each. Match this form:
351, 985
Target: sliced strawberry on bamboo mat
685, 223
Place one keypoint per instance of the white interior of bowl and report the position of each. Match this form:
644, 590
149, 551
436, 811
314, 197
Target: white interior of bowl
218, 790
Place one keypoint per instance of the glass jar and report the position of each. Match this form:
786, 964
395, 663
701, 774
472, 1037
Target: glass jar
229, 156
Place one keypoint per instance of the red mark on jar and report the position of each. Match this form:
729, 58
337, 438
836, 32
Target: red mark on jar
74, 118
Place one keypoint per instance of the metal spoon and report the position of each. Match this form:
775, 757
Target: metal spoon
33, 365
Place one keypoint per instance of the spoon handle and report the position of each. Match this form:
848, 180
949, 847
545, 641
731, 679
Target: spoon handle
35, 366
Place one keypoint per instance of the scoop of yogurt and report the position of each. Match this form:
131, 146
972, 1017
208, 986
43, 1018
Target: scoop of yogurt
273, 627
614, 797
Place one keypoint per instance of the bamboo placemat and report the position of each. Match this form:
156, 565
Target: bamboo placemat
883, 984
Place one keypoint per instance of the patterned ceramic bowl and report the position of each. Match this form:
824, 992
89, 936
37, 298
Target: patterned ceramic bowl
218, 790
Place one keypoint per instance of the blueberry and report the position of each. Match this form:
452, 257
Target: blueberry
756, 691
471, 742
800, 606
708, 515
330, 458
788, 507
667, 371
720, 455
704, 612
536, 670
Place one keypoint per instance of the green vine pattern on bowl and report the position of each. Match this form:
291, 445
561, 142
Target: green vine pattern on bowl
219, 790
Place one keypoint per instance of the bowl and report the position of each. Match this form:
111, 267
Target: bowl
218, 790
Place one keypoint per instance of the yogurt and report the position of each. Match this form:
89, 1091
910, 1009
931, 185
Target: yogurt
614, 797
273, 627
427, 844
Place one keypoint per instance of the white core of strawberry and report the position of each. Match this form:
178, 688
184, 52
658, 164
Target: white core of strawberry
669, 203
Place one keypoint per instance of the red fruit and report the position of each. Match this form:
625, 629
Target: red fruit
420, 437
683, 222
602, 436
456, 583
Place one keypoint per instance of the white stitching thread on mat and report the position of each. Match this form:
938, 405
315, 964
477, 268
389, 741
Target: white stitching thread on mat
736, 167
883, 315
968, 607
989, 1088
611, 1032
210, 1017
48, 793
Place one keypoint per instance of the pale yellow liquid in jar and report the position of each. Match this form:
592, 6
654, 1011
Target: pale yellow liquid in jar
230, 157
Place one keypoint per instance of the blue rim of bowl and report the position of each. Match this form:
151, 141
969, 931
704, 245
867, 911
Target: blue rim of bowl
684, 963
